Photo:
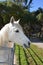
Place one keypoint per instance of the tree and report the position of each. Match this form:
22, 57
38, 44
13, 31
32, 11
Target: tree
8, 2
25, 3
40, 10
40, 19
28, 3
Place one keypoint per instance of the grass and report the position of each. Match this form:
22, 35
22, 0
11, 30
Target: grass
38, 51
30, 56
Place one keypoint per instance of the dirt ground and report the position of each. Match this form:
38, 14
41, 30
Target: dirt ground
37, 41
40, 45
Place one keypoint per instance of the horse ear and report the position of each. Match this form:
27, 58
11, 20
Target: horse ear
12, 20
18, 21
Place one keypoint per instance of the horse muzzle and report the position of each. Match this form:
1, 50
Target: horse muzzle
27, 45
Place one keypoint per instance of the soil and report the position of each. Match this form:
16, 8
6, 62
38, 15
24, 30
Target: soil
40, 45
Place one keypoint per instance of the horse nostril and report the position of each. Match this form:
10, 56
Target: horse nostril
28, 43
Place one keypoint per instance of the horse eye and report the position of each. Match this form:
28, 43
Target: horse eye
17, 31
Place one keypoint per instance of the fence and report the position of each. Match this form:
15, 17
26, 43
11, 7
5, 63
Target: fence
6, 55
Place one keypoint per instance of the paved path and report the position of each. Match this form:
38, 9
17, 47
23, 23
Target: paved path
40, 45
37, 41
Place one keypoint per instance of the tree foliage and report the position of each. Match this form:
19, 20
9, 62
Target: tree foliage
40, 17
30, 21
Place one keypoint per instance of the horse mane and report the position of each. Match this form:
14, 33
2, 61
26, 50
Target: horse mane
3, 35
5, 27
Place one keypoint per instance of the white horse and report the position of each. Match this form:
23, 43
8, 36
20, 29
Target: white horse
13, 32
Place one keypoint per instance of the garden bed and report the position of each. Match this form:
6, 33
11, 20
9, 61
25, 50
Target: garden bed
30, 56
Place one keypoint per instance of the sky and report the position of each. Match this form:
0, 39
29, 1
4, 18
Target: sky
35, 4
